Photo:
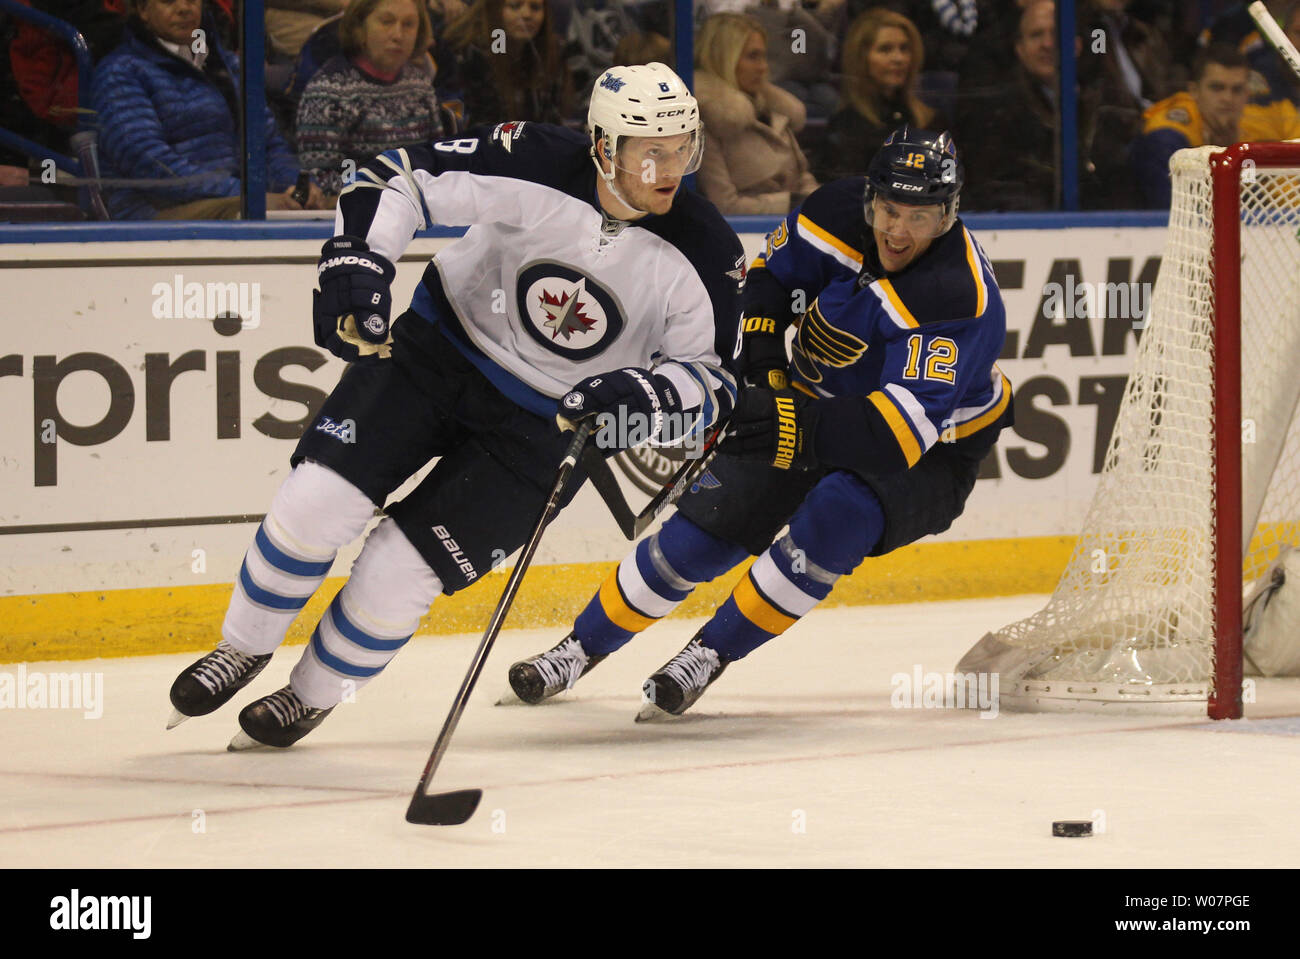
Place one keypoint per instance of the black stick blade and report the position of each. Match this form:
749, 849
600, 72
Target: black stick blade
443, 809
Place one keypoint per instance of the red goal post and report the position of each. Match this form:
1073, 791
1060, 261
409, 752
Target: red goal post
1186, 515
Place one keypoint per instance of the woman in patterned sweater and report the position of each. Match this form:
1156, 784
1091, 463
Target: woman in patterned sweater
377, 95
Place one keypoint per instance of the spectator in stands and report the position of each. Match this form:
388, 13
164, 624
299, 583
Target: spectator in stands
1214, 110
945, 26
42, 105
1177, 23
1008, 132
752, 163
990, 51
44, 67
881, 62
1125, 65
443, 12
166, 107
800, 41
502, 61
1129, 59
376, 96
290, 22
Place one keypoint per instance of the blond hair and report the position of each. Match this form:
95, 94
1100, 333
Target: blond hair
721, 41
862, 92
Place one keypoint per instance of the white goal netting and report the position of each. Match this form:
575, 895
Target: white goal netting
1132, 618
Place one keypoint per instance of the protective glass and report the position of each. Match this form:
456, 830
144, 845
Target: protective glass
654, 159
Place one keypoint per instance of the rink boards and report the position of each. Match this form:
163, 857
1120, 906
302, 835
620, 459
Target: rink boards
143, 441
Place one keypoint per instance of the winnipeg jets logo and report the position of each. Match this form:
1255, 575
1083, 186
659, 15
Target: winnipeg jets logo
565, 310
565, 314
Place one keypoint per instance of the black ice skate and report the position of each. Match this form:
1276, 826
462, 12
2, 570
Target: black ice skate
551, 672
680, 681
280, 719
208, 684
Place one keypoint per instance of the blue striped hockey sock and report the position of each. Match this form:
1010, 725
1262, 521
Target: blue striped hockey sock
651, 582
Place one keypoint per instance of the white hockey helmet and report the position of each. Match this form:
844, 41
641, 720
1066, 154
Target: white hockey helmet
647, 100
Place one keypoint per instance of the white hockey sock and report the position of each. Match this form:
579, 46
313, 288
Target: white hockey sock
315, 512
371, 618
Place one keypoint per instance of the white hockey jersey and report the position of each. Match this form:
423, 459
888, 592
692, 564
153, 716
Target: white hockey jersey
545, 289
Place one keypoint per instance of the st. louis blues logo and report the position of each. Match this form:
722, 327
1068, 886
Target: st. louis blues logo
565, 310
707, 481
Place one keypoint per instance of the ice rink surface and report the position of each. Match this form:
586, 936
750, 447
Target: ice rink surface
795, 757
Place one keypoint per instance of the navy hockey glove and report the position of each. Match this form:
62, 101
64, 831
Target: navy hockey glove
775, 426
637, 400
763, 361
350, 310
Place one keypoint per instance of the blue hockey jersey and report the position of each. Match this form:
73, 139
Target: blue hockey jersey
904, 360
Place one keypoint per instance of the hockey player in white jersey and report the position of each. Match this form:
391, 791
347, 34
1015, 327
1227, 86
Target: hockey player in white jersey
586, 271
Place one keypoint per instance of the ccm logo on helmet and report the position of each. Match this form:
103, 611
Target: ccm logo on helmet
669, 113
907, 187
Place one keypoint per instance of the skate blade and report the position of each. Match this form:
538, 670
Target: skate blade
650, 713
243, 742
176, 718
509, 698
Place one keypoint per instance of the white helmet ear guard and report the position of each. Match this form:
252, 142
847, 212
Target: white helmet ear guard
647, 100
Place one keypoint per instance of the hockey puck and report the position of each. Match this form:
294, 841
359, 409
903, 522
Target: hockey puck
227, 324
1072, 827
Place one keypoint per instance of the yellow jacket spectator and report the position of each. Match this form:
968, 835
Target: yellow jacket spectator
1180, 113
1213, 111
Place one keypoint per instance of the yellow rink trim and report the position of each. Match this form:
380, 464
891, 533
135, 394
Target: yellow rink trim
135, 622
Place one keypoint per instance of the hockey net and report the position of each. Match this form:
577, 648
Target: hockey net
1200, 487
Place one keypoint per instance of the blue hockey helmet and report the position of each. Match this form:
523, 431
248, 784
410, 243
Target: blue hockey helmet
916, 168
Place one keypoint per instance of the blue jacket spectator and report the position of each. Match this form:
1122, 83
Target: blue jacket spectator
168, 111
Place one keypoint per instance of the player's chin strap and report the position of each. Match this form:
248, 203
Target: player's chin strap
609, 182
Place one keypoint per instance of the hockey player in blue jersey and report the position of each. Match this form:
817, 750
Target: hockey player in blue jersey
867, 439
585, 269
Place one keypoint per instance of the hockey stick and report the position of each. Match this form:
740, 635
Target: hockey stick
633, 525
454, 808
1273, 33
